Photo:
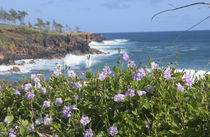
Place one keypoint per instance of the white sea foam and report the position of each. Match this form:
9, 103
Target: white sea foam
109, 42
194, 74
109, 46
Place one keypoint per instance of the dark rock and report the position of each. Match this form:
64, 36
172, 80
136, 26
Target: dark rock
31, 62
14, 69
50, 46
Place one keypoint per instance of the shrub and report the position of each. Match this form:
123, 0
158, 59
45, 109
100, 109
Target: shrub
137, 101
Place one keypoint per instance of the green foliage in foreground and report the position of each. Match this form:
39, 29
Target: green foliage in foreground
162, 111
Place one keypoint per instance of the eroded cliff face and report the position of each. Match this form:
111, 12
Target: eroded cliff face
47, 46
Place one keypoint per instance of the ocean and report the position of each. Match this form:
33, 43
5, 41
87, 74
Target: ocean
193, 49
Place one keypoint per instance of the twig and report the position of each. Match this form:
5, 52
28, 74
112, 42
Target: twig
191, 28
185, 6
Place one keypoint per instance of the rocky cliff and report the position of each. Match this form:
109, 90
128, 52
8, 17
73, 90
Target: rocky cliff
22, 43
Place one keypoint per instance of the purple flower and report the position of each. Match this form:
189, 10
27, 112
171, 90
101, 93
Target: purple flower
78, 85
139, 75
67, 111
71, 73
131, 64
130, 92
47, 120
106, 70
28, 86
188, 80
167, 74
39, 121
101, 76
29, 95
12, 135
141, 93
32, 127
6, 120
85, 120
125, 56
72, 85
119, 97
58, 101
149, 88
180, 87
113, 131
57, 72
43, 91
46, 104
35, 78
75, 97
17, 93
147, 70
88, 133
154, 65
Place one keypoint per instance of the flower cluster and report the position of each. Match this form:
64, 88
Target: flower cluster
106, 71
131, 64
113, 131
125, 56
28, 86
43, 91
46, 104
67, 110
88, 133
130, 92
29, 95
180, 87
188, 80
154, 65
71, 74
57, 71
119, 97
47, 120
85, 120
139, 74
167, 74
58, 101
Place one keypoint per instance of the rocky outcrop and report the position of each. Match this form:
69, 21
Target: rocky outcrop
48, 46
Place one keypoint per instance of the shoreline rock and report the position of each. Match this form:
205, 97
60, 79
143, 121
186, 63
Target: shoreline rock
48, 46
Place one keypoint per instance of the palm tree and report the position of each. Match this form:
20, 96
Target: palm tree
59, 27
40, 24
47, 25
14, 15
21, 16
77, 29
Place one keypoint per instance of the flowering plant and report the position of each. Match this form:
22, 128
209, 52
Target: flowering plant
137, 101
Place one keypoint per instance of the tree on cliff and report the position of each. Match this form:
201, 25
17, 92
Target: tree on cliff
29, 24
77, 29
14, 15
40, 24
5, 16
57, 27
47, 25
21, 16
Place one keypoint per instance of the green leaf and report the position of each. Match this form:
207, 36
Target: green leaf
177, 132
10, 118
22, 131
24, 123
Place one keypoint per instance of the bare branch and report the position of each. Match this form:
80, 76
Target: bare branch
185, 6
191, 28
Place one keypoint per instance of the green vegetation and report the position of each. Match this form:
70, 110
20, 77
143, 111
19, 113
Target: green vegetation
135, 102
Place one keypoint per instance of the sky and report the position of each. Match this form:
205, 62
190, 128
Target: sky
114, 15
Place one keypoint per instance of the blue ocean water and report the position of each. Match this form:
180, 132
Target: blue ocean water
193, 48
